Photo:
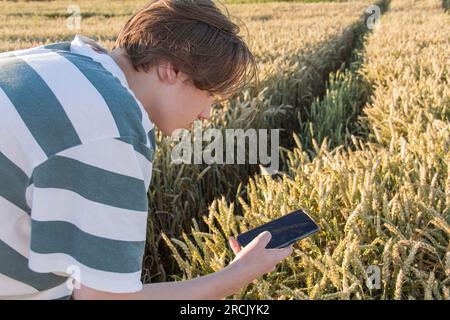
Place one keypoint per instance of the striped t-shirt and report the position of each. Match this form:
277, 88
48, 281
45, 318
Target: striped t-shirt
76, 151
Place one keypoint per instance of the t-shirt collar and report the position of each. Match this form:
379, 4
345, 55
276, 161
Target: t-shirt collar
79, 46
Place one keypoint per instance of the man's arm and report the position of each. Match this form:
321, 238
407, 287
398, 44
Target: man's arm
250, 262
216, 286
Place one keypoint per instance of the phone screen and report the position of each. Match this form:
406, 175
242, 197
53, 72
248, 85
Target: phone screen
285, 230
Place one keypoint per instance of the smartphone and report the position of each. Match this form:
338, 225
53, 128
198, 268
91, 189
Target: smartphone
286, 230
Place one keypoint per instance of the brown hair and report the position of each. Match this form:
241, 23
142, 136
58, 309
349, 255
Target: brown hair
196, 38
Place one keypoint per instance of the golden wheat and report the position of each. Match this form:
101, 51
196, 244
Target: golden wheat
383, 202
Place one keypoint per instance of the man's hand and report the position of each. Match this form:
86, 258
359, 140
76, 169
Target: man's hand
255, 259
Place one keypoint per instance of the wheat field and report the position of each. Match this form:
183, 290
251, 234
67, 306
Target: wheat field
382, 200
364, 147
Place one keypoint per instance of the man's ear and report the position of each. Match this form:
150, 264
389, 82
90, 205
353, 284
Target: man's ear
167, 72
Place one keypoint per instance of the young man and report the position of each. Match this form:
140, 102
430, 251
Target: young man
76, 151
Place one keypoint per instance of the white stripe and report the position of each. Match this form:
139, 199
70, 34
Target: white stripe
10, 147
22, 52
92, 217
29, 195
12, 120
60, 291
92, 278
107, 154
9, 288
146, 167
83, 104
15, 227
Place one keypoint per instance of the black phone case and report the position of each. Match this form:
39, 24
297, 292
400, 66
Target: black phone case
285, 230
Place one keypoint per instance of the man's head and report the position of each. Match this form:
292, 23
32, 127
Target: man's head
182, 55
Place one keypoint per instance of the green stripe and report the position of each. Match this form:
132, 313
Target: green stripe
152, 138
92, 251
91, 182
123, 106
64, 46
15, 266
138, 147
13, 184
37, 106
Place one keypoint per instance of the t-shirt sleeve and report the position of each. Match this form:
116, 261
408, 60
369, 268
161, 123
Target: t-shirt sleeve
89, 211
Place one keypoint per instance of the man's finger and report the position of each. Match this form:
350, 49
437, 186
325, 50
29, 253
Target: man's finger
264, 238
283, 252
234, 245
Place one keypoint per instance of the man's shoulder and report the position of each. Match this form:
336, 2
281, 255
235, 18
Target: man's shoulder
66, 99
